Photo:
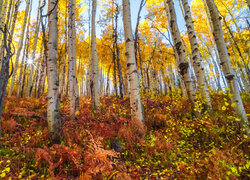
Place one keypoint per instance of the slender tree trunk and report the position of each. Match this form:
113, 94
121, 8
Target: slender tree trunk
53, 114
63, 71
38, 72
88, 90
107, 87
143, 2
4, 72
76, 86
114, 73
183, 64
14, 20
2, 17
135, 99
71, 68
44, 68
226, 65
94, 86
1, 5
118, 53
237, 48
199, 70
23, 65
41, 81
5, 27
20, 46
31, 68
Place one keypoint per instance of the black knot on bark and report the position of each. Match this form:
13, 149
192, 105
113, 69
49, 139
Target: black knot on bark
129, 64
183, 67
178, 45
230, 77
128, 40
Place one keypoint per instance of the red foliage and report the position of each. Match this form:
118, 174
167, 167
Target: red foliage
61, 157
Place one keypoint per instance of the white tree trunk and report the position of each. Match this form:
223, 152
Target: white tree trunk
132, 73
178, 46
3, 16
1, 5
74, 55
226, 65
20, 46
199, 70
71, 68
53, 114
31, 69
94, 85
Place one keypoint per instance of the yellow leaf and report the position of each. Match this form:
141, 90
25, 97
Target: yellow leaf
223, 108
237, 119
233, 104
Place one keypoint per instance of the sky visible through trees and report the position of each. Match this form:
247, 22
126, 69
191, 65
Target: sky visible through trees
134, 11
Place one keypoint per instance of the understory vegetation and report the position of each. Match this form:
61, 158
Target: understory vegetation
107, 144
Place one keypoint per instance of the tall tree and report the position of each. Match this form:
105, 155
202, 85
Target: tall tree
53, 114
20, 46
226, 65
94, 85
132, 73
180, 54
199, 70
31, 68
4, 69
72, 58
117, 49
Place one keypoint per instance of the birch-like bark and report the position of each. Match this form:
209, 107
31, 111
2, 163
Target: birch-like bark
1, 5
62, 77
22, 67
199, 70
74, 54
107, 86
14, 20
31, 68
178, 47
118, 53
71, 69
22, 74
132, 73
53, 114
94, 85
20, 46
38, 72
226, 65
2, 17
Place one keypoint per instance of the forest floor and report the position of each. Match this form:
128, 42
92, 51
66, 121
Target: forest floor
106, 144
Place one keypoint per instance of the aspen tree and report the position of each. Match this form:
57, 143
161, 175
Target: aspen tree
132, 73
180, 54
31, 70
226, 65
53, 114
3, 16
1, 5
199, 70
22, 74
20, 46
94, 85
76, 86
71, 69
